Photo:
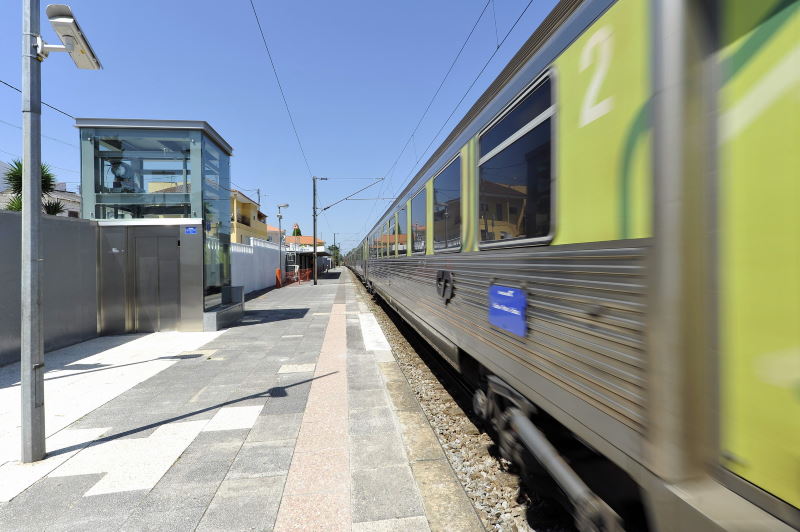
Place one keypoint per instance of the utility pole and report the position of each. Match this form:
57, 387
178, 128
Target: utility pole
314, 180
31, 341
334, 249
280, 239
314, 242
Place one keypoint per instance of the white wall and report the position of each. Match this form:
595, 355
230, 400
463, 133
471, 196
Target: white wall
253, 266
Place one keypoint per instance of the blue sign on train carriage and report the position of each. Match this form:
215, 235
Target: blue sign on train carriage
190, 231
507, 309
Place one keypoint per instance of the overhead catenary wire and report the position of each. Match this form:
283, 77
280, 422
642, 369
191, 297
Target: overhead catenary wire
280, 87
469, 89
390, 172
43, 135
7, 84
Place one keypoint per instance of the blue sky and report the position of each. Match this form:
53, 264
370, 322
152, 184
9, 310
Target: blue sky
357, 75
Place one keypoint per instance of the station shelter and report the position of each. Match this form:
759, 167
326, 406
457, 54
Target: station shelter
160, 193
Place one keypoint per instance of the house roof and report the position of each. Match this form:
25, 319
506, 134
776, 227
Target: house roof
304, 240
241, 197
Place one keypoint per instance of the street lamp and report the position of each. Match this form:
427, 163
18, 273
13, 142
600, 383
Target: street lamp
34, 51
280, 238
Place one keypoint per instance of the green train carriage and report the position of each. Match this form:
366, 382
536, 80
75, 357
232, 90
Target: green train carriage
633, 171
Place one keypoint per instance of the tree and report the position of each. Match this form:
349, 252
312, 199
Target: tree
334, 251
13, 178
296, 231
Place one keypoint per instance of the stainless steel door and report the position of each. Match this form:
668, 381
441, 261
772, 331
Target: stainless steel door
157, 283
147, 277
168, 284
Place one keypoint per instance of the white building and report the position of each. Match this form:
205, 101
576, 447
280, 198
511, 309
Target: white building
71, 200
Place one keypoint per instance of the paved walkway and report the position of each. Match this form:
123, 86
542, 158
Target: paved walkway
298, 419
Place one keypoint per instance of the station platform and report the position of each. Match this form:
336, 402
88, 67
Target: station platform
297, 419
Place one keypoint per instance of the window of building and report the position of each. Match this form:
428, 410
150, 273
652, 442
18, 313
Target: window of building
142, 174
447, 207
392, 238
217, 221
402, 237
515, 171
419, 222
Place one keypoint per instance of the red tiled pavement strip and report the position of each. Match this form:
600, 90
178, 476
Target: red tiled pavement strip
317, 491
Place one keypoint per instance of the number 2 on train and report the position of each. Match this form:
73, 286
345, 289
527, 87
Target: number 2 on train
591, 109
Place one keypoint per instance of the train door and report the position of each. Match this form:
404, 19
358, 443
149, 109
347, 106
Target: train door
758, 251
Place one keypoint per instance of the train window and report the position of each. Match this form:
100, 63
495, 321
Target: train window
402, 237
447, 207
419, 221
515, 171
533, 105
392, 238
385, 241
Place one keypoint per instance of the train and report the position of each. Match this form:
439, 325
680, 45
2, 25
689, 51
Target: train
607, 247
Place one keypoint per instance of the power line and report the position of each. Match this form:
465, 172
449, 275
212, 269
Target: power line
43, 103
283, 95
430, 102
17, 156
471, 85
43, 135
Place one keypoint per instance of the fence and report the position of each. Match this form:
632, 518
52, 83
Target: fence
253, 266
69, 282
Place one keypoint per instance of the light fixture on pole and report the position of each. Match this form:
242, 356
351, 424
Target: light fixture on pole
280, 239
34, 51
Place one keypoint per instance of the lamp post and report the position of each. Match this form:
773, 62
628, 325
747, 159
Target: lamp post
280, 239
34, 51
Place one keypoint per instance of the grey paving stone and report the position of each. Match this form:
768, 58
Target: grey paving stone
371, 421
215, 446
169, 496
359, 399
187, 473
285, 405
44, 502
447, 505
275, 427
380, 449
244, 504
262, 459
407, 524
105, 512
174, 519
384, 493
365, 382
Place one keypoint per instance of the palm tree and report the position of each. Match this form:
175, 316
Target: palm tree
13, 178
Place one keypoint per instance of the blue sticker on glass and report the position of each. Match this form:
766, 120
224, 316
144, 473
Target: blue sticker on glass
190, 230
507, 306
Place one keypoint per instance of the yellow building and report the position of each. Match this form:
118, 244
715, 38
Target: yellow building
247, 221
